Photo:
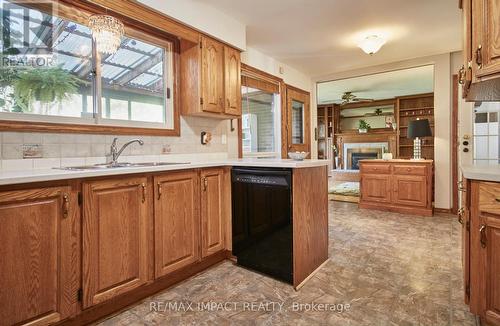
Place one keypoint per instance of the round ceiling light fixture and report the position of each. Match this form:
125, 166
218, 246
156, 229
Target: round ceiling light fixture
107, 32
371, 44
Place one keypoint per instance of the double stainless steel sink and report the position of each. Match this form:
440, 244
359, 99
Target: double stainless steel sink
119, 165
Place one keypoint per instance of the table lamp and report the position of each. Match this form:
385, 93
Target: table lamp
416, 130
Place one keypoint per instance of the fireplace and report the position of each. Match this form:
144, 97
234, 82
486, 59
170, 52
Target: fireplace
354, 155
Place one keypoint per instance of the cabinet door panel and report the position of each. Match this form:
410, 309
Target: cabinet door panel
486, 37
376, 188
232, 77
410, 190
492, 270
212, 75
177, 221
212, 211
38, 273
114, 239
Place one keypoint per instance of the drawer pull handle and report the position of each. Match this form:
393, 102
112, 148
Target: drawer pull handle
498, 200
482, 232
143, 192
408, 169
461, 216
159, 190
65, 205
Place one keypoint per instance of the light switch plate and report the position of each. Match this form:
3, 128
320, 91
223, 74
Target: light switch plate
32, 151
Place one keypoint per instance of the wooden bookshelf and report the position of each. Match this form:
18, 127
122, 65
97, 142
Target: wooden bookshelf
410, 108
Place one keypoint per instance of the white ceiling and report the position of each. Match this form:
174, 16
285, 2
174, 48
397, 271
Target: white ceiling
385, 85
319, 37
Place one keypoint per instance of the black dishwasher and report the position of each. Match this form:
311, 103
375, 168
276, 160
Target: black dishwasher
262, 220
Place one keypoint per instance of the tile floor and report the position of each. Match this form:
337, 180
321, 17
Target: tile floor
384, 269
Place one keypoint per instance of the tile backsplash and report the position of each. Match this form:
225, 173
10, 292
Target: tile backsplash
61, 146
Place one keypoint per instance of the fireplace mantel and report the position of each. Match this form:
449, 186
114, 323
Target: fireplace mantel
384, 136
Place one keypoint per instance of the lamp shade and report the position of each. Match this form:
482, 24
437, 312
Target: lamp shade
419, 128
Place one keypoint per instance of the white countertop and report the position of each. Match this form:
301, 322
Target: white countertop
482, 172
41, 175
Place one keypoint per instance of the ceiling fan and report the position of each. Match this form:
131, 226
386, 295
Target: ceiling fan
349, 97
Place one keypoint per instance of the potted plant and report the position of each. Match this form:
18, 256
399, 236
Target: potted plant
45, 85
363, 126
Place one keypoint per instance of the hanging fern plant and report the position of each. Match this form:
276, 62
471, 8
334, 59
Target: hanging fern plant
46, 85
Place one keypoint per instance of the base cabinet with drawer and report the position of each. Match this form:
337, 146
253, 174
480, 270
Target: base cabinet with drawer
403, 186
78, 250
481, 249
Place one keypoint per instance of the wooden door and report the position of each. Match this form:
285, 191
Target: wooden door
298, 120
232, 81
177, 221
376, 188
410, 190
39, 256
115, 238
212, 211
486, 37
489, 237
212, 76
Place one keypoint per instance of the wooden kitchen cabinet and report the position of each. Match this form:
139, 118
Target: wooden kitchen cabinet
115, 237
484, 238
376, 188
232, 81
213, 210
210, 79
403, 186
39, 255
212, 76
177, 221
410, 190
481, 19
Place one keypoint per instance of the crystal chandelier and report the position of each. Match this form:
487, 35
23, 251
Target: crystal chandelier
107, 32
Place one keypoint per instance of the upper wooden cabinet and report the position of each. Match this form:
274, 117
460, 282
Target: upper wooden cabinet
210, 79
212, 76
481, 49
39, 269
177, 221
232, 81
115, 238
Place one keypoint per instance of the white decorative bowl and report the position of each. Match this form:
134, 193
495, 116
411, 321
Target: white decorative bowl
297, 156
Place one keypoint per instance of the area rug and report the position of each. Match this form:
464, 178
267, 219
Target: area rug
344, 191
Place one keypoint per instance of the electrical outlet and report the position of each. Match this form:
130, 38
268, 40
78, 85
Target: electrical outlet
32, 151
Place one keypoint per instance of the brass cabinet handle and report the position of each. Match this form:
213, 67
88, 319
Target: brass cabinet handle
205, 183
482, 232
228, 103
461, 75
159, 190
461, 216
143, 192
65, 205
479, 56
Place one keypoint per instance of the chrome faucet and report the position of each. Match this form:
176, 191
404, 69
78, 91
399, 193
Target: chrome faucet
115, 153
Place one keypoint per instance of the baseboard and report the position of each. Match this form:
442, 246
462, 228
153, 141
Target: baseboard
443, 210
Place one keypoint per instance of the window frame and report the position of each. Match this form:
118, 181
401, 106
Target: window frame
258, 79
79, 13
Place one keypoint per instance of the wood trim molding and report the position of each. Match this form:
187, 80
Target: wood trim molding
443, 210
368, 104
296, 89
454, 146
250, 71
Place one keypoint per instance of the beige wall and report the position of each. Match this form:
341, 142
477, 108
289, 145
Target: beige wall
442, 113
